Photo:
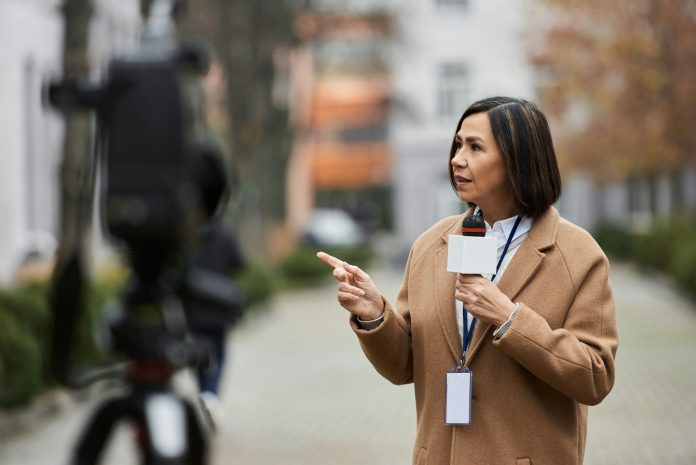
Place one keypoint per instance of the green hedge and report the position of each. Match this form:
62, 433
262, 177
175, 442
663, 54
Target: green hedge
302, 267
616, 241
259, 283
299, 269
24, 320
20, 362
24, 334
669, 247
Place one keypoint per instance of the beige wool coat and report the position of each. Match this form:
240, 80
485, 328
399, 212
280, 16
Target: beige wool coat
531, 387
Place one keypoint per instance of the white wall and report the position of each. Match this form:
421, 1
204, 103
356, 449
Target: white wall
30, 36
30, 134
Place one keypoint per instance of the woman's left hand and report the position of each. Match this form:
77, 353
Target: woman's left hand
483, 299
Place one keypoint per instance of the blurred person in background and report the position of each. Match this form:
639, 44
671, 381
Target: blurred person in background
218, 253
538, 338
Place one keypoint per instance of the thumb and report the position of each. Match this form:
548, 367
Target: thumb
356, 271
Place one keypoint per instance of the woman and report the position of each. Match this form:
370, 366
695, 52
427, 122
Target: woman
543, 332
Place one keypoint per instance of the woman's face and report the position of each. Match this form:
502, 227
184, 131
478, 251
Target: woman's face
479, 172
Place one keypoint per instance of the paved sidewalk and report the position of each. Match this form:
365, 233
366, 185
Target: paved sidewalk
300, 392
650, 416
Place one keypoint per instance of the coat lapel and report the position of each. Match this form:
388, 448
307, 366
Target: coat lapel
521, 269
445, 302
445, 282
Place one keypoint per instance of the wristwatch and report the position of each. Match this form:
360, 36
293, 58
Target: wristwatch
372, 324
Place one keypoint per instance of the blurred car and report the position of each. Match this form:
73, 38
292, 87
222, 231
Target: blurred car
331, 227
35, 263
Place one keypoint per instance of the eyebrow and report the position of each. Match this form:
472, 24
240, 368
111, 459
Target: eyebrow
468, 139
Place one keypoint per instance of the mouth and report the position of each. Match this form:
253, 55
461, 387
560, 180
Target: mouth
461, 181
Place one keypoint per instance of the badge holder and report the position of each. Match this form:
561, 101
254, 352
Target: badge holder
458, 397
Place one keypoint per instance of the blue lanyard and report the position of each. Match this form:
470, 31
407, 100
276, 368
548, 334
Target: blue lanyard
468, 332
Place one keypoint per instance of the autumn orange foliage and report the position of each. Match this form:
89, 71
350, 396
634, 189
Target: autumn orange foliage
619, 83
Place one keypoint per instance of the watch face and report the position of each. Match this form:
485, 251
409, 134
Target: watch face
368, 325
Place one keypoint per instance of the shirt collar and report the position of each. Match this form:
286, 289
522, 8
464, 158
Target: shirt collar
502, 229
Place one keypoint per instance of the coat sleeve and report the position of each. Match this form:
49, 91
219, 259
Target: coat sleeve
388, 347
577, 359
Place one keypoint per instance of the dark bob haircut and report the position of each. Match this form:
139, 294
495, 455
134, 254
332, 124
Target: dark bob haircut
523, 137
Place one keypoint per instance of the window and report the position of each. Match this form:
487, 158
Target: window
376, 132
31, 155
453, 90
642, 193
452, 5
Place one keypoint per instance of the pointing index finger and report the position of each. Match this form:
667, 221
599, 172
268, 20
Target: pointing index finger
330, 260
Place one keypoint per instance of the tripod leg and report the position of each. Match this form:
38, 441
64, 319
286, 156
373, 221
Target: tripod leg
198, 444
97, 430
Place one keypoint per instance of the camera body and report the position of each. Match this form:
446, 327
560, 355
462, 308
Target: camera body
150, 197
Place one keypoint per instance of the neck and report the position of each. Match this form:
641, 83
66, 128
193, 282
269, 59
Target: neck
492, 214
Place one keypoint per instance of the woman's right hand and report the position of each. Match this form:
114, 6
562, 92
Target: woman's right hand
357, 293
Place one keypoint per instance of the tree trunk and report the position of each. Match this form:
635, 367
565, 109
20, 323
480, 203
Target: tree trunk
246, 34
77, 187
77, 178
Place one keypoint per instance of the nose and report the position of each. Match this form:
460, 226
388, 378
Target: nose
459, 160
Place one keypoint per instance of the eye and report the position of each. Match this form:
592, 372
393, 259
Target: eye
475, 147
457, 144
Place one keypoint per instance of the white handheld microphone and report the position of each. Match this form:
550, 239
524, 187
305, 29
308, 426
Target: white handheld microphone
472, 253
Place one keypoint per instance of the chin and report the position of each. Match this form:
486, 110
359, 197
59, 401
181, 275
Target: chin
465, 198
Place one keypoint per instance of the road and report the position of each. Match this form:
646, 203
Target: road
298, 390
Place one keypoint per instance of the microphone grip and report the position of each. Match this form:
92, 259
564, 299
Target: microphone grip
473, 226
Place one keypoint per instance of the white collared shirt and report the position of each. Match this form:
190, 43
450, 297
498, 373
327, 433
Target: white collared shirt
500, 230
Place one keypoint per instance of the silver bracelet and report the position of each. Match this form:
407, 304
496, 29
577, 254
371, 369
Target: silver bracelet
372, 324
498, 333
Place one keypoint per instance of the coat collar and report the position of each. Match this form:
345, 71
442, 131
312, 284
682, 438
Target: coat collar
520, 270
542, 235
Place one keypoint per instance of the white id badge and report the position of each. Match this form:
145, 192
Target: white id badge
458, 401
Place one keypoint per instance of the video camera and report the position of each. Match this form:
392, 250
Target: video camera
154, 154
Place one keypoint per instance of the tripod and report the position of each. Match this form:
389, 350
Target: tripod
168, 428
152, 147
